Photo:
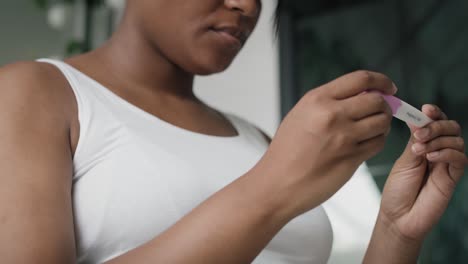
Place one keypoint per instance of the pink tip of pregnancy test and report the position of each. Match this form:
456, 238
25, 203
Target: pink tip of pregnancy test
394, 102
404, 111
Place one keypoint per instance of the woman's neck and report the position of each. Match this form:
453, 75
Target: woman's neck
133, 59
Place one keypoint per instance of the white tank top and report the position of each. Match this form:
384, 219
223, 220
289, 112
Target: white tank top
135, 175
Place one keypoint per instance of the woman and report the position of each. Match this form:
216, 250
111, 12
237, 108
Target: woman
109, 156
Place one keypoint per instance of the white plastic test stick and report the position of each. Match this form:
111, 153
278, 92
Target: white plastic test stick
407, 112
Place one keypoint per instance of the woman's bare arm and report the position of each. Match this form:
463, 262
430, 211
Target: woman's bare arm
36, 181
232, 226
294, 176
418, 189
300, 170
36, 223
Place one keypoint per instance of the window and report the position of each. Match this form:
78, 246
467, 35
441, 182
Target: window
420, 44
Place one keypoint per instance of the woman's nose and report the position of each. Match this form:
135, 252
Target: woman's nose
250, 8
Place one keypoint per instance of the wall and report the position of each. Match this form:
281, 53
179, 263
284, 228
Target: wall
250, 87
25, 34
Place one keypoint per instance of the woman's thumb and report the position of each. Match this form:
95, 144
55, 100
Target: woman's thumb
409, 159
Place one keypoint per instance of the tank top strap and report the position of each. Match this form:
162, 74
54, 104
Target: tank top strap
70, 77
82, 101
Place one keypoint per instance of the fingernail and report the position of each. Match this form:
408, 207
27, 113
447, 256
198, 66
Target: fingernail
418, 148
434, 154
421, 134
395, 89
429, 107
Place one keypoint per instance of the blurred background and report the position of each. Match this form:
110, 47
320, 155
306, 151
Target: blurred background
420, 44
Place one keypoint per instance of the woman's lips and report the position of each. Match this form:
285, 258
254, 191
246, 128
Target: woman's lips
230, 35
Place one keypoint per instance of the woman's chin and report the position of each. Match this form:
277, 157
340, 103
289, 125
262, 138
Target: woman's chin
211, 67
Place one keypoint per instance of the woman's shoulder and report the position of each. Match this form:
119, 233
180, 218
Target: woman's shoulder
35, 87
30, 76
35, 165
29, 82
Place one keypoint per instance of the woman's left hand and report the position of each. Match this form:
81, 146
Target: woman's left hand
423, 179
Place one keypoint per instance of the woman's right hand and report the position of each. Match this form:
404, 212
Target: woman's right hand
326, 136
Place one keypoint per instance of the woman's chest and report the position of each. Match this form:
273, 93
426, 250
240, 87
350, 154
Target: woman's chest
135, 191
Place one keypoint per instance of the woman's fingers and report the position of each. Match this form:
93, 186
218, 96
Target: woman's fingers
365, 105
371, 147
456, 143
434, 112
357, 82
437, 129
372, 126
454, 158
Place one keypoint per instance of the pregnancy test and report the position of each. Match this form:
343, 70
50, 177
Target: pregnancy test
406, 112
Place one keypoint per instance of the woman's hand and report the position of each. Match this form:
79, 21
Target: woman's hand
422, 181
326, 136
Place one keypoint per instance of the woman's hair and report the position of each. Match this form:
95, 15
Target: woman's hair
277, 15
